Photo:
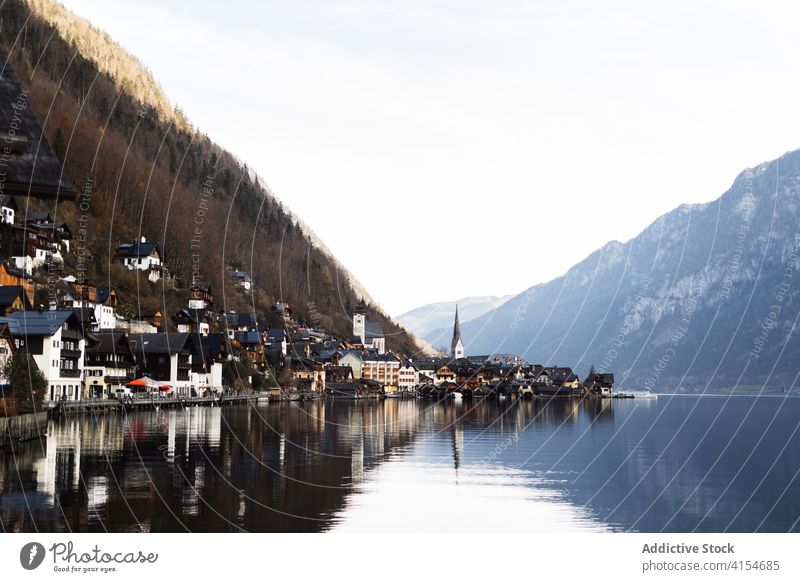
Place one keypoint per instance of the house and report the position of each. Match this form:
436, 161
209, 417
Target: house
233, 322
249, 342
30, 167
165, 358
407, 377
208, 356
14, 298
109, 363
381, 367
189, 320
556, 381
200, 296
100, 301
55, 340
105, 306
352, 359
57, 233
277, 340
338, 374
154, 318
598, 383
10, 275
8, 209
142, 256
38, 244
308, 374
242, 279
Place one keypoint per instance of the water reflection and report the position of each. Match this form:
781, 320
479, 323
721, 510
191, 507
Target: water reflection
399, 465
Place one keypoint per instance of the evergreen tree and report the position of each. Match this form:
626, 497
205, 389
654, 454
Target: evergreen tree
27, 380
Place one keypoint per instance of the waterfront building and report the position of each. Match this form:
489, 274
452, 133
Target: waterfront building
55, 340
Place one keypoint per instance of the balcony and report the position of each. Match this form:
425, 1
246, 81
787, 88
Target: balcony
65, 373
65, 353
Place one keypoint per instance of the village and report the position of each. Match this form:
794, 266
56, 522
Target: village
86, 350
92, 345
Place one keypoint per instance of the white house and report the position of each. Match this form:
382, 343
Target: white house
142, 256
408, 377
8, 208
56, 342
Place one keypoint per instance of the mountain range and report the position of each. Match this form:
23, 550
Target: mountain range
705, 298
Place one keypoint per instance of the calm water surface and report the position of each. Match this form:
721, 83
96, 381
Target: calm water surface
671, 464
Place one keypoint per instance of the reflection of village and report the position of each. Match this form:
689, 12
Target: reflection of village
266, 468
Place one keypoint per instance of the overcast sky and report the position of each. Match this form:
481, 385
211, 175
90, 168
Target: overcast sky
444, 148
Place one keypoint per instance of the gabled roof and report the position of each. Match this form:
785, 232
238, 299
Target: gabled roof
107, 342
32, 168
559, 375
159, 343
248, 320
190, 315
39, 323
136, 249
104, 292
277, 334
8, 293
39, 217
7, 200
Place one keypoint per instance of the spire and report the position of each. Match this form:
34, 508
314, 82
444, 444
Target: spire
456, 346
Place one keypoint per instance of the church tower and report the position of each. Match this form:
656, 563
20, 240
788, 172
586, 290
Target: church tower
456, 346
360, 321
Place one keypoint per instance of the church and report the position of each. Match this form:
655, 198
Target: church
367, 334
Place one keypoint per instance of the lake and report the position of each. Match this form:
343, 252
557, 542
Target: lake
673, 464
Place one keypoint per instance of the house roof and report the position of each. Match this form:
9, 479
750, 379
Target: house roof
44, 323
103, 293
559, 375
194, 316
159, 343
247, 337
239, 320
8, 293
39, 217
33, 168
107, 342
373, 329
136, 249
207, 346
8, 201
277, 334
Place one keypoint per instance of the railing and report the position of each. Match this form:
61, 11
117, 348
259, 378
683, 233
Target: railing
66, 353
66, 373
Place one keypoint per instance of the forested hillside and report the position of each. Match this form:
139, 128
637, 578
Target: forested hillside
141, 169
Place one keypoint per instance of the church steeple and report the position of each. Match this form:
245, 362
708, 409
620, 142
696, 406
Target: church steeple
456, 346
